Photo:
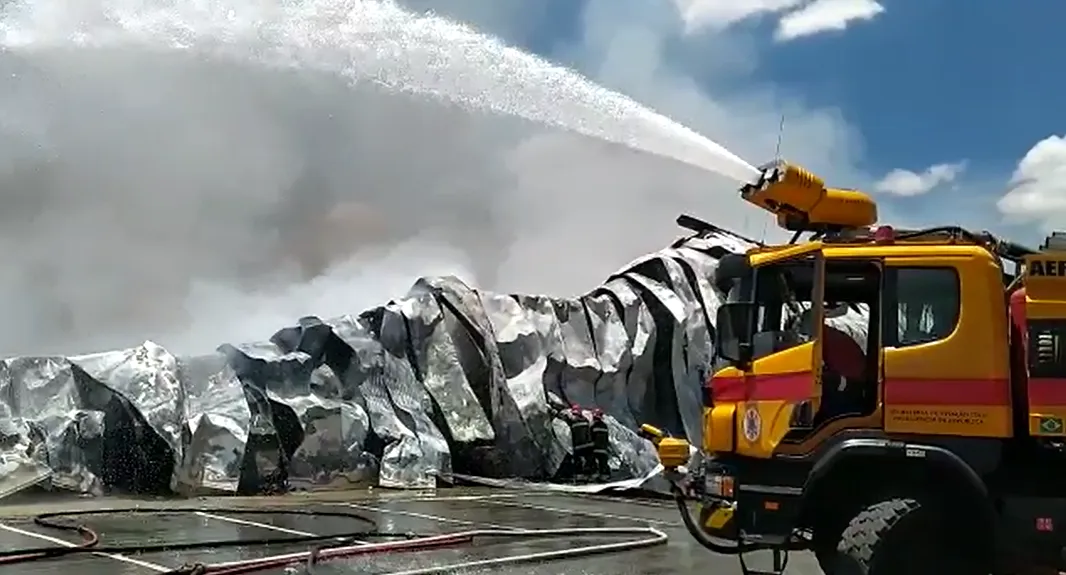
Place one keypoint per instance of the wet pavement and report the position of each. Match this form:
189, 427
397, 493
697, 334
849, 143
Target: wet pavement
446, 511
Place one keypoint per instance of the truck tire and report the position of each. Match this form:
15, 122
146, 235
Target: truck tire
824, 545
901, 536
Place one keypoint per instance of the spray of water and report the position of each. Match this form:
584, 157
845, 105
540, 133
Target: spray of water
205, 171
454, 62
379, 41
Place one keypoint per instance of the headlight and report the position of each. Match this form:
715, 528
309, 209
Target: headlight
802, 415
718, 485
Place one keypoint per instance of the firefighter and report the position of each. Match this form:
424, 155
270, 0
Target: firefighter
581, 437
601, 443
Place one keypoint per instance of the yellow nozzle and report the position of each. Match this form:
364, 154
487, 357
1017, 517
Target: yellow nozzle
801, 201
799, 177
785, 174
673, 452
651, 433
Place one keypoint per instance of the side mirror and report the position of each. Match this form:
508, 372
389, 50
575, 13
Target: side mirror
734, 327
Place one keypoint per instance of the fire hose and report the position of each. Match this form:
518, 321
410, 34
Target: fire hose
694, 529
90, 540
342, 545
706, 541
677, 453
654, 537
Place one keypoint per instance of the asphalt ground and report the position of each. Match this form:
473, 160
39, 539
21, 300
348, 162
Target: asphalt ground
444, 511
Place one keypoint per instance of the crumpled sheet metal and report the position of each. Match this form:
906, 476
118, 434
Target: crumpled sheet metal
371, 370
394, 394
145, 378
215, 420
581, 367
437, 359
541, 313
612, 343
697, 347
639, 325
506, 381
308, 426
529, 436
408, 396
95, 421
48, 426
664, 398
267, 376
477, 348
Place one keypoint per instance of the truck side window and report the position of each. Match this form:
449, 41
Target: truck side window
927, 305
771, 333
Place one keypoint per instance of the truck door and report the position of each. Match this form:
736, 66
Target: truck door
774, 356
946, 362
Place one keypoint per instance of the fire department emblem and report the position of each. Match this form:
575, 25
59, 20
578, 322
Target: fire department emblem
752, 424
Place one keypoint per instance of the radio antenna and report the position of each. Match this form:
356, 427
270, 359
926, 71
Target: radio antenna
780, 136
777, 161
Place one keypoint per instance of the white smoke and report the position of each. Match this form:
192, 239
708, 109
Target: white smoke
201, 172
195, 198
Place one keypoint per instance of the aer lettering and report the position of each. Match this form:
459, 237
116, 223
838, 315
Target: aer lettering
1048, 268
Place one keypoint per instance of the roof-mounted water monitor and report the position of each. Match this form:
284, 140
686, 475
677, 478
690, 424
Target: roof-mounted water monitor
802, 203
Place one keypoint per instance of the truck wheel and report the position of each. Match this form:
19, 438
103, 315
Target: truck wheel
900, 536
824, 547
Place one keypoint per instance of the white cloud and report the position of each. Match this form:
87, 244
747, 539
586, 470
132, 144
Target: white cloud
908, 183
824, 16
1037, 191
797, 18
702, 14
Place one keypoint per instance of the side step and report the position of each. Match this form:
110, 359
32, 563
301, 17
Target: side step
780, 562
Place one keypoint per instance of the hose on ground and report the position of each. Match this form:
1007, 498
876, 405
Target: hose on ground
343, 545
90, 540
321, 554
313, 557
655, 538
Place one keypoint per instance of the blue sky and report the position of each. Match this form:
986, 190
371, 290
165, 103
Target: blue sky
926, 79
926, 82
950, 99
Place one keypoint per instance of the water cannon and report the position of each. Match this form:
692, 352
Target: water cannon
673, 452
802, 203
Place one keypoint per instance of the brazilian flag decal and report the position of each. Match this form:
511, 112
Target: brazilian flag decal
1051, 425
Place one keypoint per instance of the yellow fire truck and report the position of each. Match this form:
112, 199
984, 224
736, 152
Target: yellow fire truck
935, 446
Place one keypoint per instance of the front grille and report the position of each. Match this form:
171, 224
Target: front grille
1047, 348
